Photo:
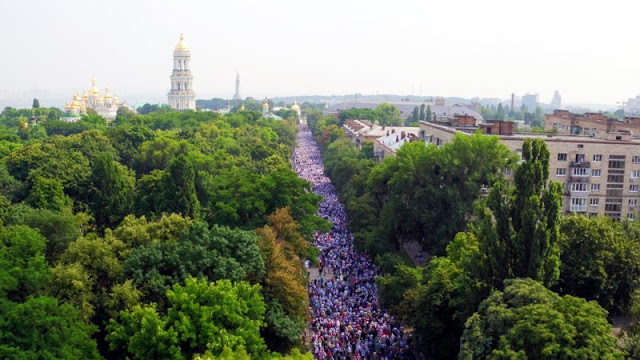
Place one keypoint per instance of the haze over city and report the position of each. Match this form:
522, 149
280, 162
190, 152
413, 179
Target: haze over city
458, 48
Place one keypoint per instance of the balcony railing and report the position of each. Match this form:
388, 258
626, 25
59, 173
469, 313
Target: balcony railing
580, 164
579, 179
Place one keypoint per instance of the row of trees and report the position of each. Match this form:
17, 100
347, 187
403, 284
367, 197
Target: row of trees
512, 279
425, 194
384, 114
168, 235
532, 117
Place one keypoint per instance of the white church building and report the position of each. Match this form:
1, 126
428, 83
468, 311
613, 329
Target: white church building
181, 96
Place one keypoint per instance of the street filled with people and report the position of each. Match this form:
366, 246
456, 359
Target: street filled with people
346, 319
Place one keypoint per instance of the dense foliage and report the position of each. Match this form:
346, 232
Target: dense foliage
165, 235
432, 196
526, 320
425, 194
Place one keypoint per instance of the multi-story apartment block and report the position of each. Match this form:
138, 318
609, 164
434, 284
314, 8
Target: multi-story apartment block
600, 176
592, 124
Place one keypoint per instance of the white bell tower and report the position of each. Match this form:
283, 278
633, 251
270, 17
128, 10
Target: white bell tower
181, 96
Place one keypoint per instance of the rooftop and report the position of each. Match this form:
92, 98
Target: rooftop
405, 107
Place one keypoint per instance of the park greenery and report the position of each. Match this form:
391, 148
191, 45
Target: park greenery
508, 277
181, 235
174, 235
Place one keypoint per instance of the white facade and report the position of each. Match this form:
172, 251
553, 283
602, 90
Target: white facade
181, 96
104, 104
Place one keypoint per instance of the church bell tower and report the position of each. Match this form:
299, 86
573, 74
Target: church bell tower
181, 96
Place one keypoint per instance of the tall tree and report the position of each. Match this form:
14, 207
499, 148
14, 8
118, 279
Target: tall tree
427, 115
520, 235
111, 191
388, 115
181, 196
422, 113
36, 104
416, 114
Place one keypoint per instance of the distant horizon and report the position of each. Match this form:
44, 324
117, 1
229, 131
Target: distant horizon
47, 102
459, 48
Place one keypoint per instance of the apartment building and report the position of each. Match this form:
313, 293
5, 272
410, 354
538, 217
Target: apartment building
591, 124
599, 176
361, 130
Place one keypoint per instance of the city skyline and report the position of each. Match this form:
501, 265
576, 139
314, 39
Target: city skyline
282, 48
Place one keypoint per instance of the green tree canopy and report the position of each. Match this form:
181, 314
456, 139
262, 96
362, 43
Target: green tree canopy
195, 322
219, 253
600, 260
40, 328
388, 115
111, 191
519, 237
527, 321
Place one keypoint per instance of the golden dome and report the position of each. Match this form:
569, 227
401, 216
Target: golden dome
83, 107
76, 97
265, 104
94, 89
85, 96
295, 105
100, 100
115, 98
182, 46
242, 107
66, 106
107, 97
74, 105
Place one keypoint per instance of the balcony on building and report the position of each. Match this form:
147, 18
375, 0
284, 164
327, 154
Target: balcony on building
580, 164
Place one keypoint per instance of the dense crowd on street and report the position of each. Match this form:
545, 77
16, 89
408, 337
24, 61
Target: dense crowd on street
346, 320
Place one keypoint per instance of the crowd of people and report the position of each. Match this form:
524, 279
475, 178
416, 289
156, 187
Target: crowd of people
347, 321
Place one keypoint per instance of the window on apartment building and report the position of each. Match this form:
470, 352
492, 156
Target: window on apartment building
596, 172
562, 157
580, 146
631, 216
633, 203
594, 202
578, 204
579, 158
635, 174
597, 157
561, 172
507, 172
613, 207
580, 172
633, 188
579, 187
616, 161
635, 159
587, 131
595, 187
615, 178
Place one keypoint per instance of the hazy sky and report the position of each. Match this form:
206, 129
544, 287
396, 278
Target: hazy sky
588, 50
